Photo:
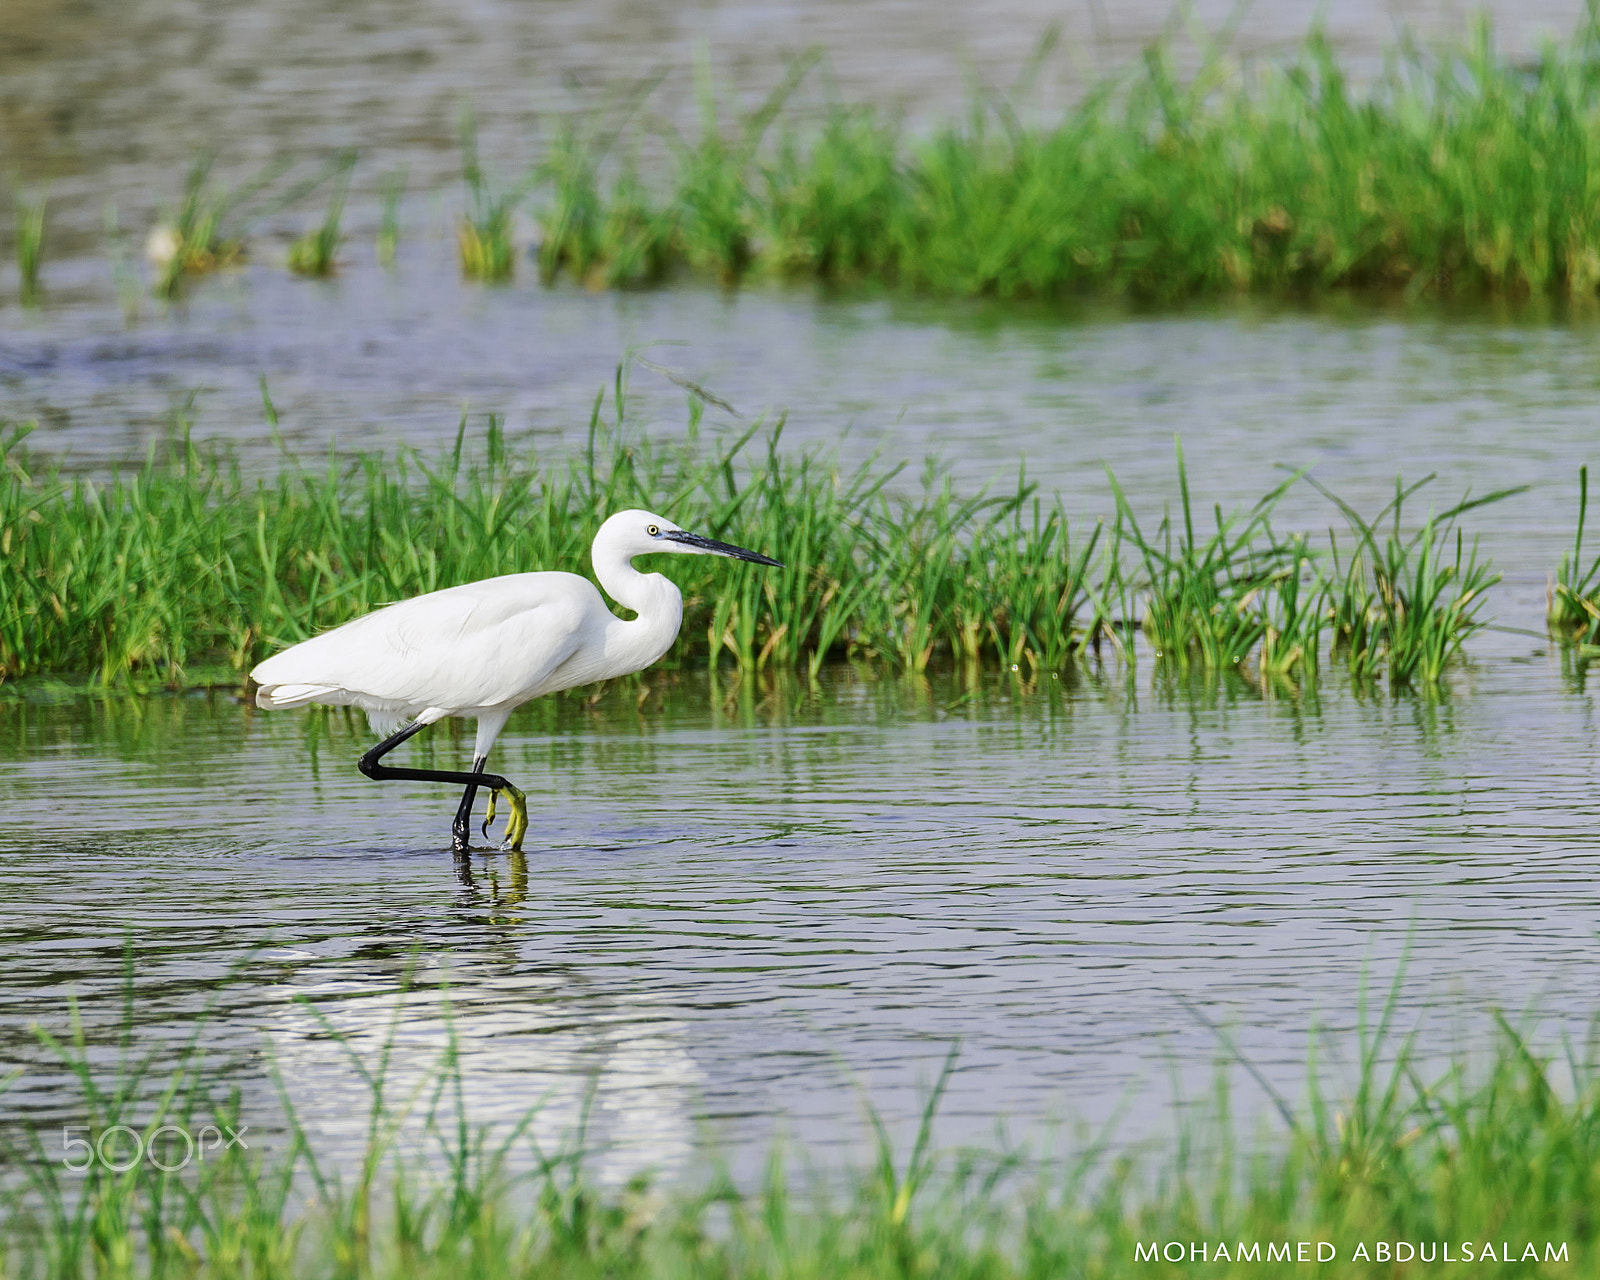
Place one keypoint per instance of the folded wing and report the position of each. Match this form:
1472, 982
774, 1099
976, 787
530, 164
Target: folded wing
482, 644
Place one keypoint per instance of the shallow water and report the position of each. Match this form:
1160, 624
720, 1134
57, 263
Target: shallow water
742, 907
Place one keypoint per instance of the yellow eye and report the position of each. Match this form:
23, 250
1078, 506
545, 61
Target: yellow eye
654, 531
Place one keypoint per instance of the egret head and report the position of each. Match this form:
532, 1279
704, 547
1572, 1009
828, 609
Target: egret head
638, 533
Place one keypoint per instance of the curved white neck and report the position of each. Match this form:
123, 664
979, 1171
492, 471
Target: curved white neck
654, 598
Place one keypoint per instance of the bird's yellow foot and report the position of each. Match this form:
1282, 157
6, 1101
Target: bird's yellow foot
516, 823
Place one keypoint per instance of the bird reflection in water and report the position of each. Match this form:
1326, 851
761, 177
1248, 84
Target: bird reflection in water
498, 890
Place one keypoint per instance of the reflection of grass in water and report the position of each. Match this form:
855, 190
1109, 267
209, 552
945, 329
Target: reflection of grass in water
1456, 172
1574, 614
184, 561
1488, 1154
29, 211
313, 253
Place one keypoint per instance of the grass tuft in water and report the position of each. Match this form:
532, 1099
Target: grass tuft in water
1574, 605
192, 239
313, 254
484, 233
1236, 592
1406, 603
625, 241
206, 231
124, 277
390, 189
29, 213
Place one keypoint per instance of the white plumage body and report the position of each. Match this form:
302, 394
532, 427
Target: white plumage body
480, 647
478, 650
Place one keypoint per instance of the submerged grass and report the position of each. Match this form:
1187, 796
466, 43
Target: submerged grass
1456, 172
186, 562
1499, 1156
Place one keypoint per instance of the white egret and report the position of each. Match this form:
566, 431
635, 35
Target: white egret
482, 649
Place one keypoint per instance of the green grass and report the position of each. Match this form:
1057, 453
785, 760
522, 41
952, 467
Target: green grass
1238, 592
622, 240
1400, 602
1500, 1147
1455, 173
483, 235
185, 560
391, 188
185, 563
314, 253
192, 239
1574, 612
1407, 601
206, 229
29, 211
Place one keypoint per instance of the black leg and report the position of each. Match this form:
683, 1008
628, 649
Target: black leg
461, 827
370, 764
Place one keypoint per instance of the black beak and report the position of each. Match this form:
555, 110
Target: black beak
712, 546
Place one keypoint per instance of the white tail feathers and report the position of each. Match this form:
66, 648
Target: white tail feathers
385, 715
273, 696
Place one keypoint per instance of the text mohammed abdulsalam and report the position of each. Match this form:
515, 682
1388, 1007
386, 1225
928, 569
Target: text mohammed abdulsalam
1363, 1251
